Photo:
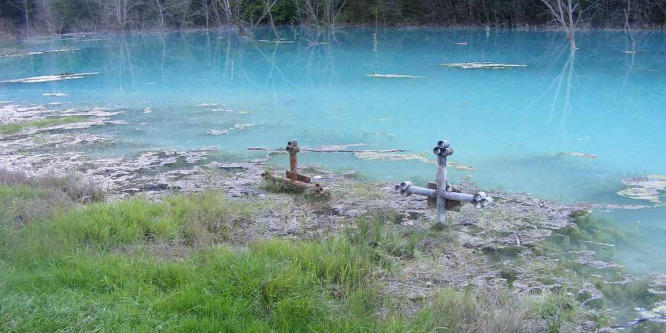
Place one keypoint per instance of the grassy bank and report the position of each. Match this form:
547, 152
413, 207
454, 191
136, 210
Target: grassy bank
71, 262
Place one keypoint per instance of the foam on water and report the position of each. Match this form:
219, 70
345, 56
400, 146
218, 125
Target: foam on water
517, 127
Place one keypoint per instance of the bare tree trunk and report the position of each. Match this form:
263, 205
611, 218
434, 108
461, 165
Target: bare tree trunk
567, 14
268, 8
27, 16
233, 14
216, 10
45, 14
206, 13
627, 15
160, 13
307, 10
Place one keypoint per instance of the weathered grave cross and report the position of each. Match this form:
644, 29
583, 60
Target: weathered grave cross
293, 178
441, 193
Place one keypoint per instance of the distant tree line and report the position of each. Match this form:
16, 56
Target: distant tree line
61, 16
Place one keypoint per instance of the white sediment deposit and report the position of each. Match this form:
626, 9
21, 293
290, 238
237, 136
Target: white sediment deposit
36, 53
583, 155
243, 126
395, 76
217, 132
55, 94
644, 188
277, 41
389, 135
381, 156
365, 155
50, 78
482, 65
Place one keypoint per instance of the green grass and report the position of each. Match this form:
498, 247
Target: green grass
69, 273
13, 128
192, 220
108, 267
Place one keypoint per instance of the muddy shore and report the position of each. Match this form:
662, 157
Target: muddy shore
505, 244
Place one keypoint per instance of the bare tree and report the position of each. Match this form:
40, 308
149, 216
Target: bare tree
268, 8
567, 14
332, 9
307, 11
320, 12
161, 12
627, 25
206, 11
23, 7
46, 14
232, 11
118, 11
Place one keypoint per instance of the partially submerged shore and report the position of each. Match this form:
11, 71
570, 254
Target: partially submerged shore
551, 260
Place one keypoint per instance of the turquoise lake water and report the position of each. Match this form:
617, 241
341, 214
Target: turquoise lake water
515, 127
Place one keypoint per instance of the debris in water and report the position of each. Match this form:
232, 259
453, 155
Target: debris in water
95, 112
391, 157
55, 94
230, 111
338, 147
277, 41
207, 104
647, 69
36, 53
390, 135
312, 43
584, 155
49, 78
243, 126
462, 43
395, 76
460, 167
147, 110
644, 188
482, 65
217, 132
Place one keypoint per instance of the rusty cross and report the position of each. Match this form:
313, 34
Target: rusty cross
293, 178
441, 193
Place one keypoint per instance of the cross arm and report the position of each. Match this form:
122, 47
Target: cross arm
480, 199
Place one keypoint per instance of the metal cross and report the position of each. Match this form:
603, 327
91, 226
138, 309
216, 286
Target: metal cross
442, 191
293, 178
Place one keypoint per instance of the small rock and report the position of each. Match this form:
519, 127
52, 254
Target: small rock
155, 187
414, 214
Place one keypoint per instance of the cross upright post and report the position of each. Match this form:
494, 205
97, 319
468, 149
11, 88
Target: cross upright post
442, 150
293, 149
442, 193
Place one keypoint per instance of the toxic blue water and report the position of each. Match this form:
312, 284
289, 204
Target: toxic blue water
515, 127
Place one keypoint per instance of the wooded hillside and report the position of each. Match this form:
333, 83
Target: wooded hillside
61, 16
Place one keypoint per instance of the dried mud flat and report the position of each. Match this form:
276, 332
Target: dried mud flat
491, 248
